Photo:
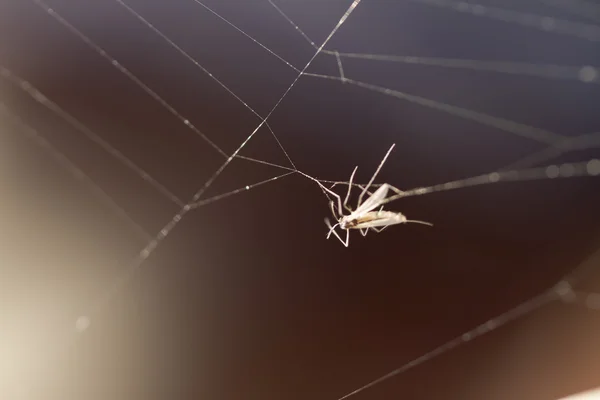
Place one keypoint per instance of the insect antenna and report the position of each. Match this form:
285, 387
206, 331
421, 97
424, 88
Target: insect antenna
418, 222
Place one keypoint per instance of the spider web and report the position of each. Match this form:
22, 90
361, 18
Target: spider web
249, 147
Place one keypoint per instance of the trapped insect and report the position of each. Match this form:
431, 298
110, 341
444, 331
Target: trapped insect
364, 218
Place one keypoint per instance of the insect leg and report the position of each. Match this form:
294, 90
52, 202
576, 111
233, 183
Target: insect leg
349, 189
362, 194
332, 230
339, 202
379, 230
363, 187
328, 191
332, 208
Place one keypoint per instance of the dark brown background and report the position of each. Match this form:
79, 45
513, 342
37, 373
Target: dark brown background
246, 299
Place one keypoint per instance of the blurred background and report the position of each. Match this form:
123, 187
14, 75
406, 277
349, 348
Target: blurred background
245, 298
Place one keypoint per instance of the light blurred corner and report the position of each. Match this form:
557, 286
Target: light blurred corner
593, 394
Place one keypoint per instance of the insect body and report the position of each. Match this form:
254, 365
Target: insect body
364, 217
371, 219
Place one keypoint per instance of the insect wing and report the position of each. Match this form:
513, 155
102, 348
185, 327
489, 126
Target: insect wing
374, 201
377, 219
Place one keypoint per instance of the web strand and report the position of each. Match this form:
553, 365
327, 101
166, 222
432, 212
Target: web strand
580, 8
502, 175
585, 73
265, 163
558, 144
539, 157
237, 191
569, 170
247, 35
90, 43
45, 101
488, 326
198, 65
563, 290
589, 168
73, 170
522, 130
126, 72
300, 31
151, 246
75, 123
544, 23
581, 142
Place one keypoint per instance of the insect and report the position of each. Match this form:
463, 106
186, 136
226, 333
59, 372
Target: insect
364, 217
